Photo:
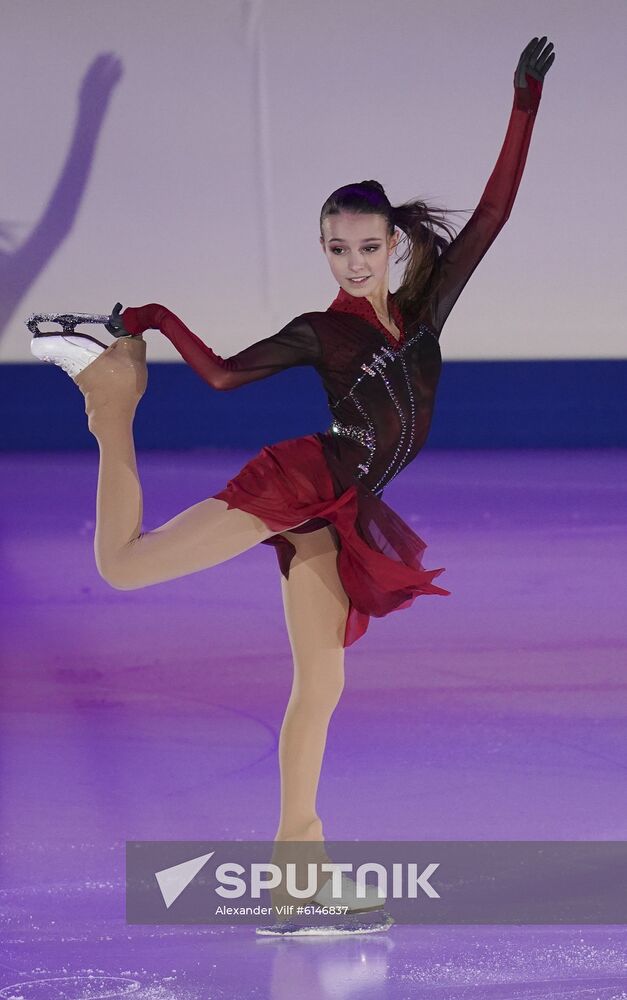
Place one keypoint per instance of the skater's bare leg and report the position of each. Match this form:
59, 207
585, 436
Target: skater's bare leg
202, 536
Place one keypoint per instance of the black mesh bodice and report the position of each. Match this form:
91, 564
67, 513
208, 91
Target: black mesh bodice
381, 393
381, 396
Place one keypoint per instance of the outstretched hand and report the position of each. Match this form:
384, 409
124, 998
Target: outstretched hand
535, 61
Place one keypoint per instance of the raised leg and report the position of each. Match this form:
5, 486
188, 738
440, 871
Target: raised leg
127, 558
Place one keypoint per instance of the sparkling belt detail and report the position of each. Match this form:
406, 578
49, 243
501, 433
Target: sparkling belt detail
360, 434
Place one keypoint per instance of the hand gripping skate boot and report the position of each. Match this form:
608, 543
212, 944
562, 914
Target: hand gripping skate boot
112, 378
72, 351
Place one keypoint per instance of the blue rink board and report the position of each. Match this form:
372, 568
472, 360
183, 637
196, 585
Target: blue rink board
480, 404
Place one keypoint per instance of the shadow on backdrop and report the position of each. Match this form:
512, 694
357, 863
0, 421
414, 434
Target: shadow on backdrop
20, 268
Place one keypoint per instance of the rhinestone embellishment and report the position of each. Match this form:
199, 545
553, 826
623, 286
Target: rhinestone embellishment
366, 435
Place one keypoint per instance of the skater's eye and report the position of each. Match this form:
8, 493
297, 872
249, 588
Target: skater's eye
333, 249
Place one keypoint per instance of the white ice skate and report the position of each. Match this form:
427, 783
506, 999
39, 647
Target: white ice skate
72, 353
348, 896
69, 350
357, 915
331, 926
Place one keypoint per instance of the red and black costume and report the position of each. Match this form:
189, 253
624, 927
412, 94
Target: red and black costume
381, 394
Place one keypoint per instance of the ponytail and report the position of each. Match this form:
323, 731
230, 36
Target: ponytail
418, 222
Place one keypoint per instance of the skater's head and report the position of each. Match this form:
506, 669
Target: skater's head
359, 230
357, 235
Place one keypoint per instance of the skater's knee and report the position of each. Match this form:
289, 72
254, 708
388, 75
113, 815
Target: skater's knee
119, 581
315, 706
118, 574
318, 695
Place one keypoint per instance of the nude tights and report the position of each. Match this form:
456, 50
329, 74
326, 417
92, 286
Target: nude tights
204, 535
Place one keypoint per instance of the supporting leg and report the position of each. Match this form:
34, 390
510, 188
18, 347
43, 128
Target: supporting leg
316, 607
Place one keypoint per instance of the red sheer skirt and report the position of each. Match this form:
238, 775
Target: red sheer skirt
379, 556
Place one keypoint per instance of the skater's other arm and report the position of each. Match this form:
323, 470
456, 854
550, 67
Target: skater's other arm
295, 344
461, 257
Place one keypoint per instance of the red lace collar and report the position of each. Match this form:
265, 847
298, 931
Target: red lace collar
358, 306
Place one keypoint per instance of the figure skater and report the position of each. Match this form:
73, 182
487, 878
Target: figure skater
344, 554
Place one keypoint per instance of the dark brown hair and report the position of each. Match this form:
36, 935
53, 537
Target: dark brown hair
417, 220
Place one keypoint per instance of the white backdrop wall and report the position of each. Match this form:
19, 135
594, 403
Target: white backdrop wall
232, 121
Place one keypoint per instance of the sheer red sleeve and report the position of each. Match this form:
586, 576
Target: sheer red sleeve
295, 344
460, 258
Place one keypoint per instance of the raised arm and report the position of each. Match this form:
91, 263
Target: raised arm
295, 344
461, 257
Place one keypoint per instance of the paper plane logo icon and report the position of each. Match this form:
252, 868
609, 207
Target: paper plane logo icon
173, 880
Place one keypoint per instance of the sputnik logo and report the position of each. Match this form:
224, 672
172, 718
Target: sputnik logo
173, 880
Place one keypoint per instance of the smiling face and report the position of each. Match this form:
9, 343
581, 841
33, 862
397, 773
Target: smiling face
357, 245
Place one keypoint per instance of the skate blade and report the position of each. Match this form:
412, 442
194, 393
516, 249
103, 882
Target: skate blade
357, 924
67, 321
